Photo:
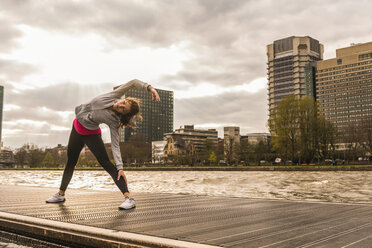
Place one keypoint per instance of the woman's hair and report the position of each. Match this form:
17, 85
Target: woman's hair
130, 119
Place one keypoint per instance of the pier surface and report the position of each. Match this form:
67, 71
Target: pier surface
91, 218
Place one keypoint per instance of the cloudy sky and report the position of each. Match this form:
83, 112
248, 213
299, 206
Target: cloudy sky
57, 54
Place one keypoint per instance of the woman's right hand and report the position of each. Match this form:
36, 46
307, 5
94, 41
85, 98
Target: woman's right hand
121, 174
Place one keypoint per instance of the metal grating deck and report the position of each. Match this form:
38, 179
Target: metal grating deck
220, 221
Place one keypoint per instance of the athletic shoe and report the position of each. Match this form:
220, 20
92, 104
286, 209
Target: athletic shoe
128, 203
56, 198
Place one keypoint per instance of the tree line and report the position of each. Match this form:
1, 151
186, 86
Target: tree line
36, 157
301, 134
136, 150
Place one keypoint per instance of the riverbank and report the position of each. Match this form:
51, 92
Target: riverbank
226, 168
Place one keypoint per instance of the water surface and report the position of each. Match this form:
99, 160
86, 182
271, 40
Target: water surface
330, 186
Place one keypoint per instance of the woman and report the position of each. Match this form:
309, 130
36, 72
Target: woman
115, 112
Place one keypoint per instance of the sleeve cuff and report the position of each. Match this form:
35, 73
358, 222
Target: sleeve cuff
119, 167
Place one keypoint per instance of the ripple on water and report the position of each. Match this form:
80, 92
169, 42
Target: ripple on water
12, 245
320, 183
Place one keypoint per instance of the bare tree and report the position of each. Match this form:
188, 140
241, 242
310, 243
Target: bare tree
35, 157
21, 157
353, 140
366, 134
229, 149
246, 151
326, 138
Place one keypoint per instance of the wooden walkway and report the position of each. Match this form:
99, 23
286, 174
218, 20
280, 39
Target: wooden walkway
91, 218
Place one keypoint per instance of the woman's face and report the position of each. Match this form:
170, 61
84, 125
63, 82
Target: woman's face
122, 106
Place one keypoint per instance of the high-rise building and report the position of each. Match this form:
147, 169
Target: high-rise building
231, 136
344, 85
287, 59
1, 110
157, 116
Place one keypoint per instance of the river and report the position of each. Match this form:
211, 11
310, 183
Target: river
330, 186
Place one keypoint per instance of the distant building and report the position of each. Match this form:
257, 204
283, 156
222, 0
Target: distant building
231, 143
198, 137
287, 60
59, 150
157, 116
189, 142
158, 151
27, 147
179, 150
255, 138
6, 158
344, 85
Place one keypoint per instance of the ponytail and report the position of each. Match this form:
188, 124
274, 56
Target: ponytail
130, 119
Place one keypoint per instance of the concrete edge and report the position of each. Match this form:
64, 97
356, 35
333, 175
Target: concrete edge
58, 231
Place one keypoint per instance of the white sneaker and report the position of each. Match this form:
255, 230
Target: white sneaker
56, 198
128, 203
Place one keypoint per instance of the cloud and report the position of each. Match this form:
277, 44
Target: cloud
43, 115
57, 97
31, 113
206, 89
242, 109
8, 35
15, 138
14, 70
10, 107
225, 43
42, 133
228, 38
212, 23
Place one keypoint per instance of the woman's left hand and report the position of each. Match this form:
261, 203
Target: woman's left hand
155, 95
121, 174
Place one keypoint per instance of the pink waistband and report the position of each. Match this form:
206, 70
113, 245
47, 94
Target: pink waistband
83, 131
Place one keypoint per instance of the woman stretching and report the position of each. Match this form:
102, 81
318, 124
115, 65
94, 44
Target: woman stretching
115, 112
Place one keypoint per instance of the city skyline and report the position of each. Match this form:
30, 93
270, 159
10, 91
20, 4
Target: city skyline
212, 54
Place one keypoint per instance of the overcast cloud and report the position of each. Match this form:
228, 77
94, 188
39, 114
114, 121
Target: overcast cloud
55, 55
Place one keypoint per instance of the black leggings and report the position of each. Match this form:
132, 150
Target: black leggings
95, 144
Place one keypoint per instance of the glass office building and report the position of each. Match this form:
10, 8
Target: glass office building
310, 79
157, 116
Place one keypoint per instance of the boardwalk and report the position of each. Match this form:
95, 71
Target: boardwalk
185, 220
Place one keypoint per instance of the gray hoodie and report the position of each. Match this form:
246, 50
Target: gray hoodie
91, 114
